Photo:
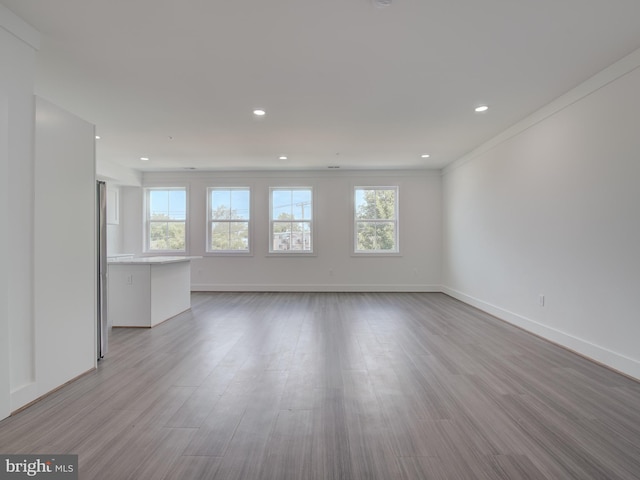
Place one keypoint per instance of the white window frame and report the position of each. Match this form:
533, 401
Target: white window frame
147, 220
311, 222
209, 221
395, 221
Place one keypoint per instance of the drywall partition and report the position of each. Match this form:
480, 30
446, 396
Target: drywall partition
18, 45
541, 226
332, 267
117, 177
65, 247
5, 355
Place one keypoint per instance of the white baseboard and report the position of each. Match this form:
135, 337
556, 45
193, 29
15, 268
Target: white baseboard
625, 365
23, 395
332, 287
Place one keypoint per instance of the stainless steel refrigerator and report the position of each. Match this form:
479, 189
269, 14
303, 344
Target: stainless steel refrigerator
103, 326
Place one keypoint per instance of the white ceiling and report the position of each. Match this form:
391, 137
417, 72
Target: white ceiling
343, 82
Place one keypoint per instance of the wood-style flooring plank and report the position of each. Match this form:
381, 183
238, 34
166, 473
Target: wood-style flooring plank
349, 386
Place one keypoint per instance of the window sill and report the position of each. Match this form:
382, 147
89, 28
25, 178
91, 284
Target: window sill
291, 254
158, 253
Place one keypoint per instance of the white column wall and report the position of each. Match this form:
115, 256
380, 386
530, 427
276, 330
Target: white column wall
5, 355
552, 209
47, 241
131, 219
64, 246
18, 45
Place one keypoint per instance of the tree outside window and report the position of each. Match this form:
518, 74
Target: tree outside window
229, 215
376, 220
166, 219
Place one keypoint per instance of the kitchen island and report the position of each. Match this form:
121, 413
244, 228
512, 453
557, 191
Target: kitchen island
145, 291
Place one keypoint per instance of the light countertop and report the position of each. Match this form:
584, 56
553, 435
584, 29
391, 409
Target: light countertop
159, 260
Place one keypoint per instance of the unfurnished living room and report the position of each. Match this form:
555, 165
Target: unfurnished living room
363, 239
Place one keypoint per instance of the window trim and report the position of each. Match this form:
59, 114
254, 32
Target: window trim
312, 221
241, 253
354, 226
146, 220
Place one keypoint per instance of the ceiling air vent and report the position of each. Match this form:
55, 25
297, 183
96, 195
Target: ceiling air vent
381, 3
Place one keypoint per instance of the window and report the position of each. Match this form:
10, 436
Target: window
166, 219
291, 225
376, 220
228, 217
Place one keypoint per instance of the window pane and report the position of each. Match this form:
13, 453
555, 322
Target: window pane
219, 236
301, 200
376, 236
176, 236
220, 205
158, 235
386, 204
366, 201
167, 204
240, 204
166, 236
301, 240
159, 204
281, 236
177, 209
385, 236
361, 204
281, 205
230, 236
366, 236
239, 236
375, 204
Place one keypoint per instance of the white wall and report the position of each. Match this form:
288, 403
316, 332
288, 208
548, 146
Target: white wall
551, 207
116, 177
116, 174
18, 44
333, 267
47, 256
5, 356
131, 219
115, 232
65, 247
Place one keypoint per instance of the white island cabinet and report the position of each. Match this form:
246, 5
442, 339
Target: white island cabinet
145, 291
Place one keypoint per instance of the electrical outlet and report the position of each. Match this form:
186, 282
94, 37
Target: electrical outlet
541, 300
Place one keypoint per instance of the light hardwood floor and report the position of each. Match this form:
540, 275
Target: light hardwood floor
337, 386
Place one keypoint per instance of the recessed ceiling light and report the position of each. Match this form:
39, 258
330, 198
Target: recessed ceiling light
144, 159
425, 155
258, 112
97, 137
282, 157
482, 108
